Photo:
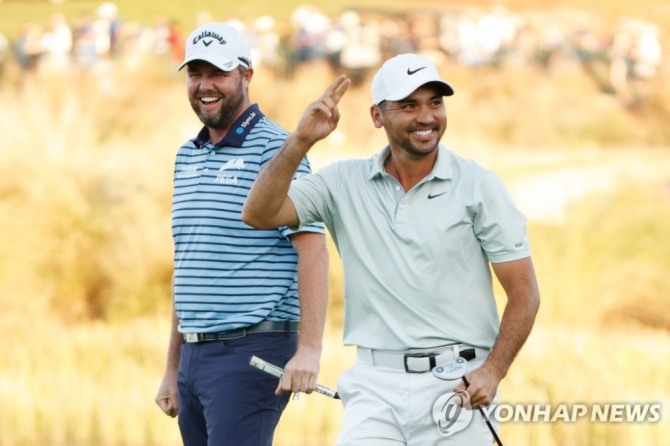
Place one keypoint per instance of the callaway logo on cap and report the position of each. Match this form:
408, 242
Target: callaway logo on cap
219, 44
404, 73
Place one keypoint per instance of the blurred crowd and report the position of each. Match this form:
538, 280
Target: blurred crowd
358, 40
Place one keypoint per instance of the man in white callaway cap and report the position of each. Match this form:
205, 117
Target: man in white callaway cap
238, 292
219, 44
417, 227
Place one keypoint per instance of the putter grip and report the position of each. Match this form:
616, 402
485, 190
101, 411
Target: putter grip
273, 370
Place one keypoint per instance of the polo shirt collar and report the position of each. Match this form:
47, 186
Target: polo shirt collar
441, 170
238, 131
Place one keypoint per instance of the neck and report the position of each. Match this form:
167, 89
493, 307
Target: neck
408, 169
216, 135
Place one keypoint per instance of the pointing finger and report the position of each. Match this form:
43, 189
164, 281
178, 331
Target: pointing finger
336, 90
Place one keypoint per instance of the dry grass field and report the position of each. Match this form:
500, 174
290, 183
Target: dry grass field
85, 247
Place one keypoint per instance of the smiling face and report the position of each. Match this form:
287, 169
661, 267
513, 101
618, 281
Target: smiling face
217, 97
413, 125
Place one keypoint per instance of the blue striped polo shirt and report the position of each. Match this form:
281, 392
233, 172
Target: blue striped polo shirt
228, 275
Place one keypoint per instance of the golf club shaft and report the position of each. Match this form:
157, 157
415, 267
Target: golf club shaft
486, 418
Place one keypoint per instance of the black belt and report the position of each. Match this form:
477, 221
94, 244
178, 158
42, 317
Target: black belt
262, 327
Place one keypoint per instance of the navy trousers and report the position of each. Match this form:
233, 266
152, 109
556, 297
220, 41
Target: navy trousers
223, 401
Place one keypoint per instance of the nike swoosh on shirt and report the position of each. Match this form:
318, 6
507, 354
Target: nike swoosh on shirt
411, 72
435, 196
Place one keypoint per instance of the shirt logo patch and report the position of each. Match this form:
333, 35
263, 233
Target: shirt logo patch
233, 164
188, 172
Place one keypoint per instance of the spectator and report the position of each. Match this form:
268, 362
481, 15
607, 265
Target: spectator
28, 48
57, 44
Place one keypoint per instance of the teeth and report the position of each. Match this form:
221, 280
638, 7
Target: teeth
423, 132
209, 100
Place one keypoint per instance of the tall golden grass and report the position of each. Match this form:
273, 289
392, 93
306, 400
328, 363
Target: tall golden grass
85, 250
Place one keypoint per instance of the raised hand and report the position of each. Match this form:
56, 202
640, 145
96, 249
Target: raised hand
321, 116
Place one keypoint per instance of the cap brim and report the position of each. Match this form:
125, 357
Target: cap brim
447, 89
222, 63
444, 88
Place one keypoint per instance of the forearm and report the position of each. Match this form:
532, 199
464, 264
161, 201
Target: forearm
268, 196
523, 300
174, 344
515, 326
313, 292
167, 397
301, 371
267, 205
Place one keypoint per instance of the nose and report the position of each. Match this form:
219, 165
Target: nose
425, 115
206, 82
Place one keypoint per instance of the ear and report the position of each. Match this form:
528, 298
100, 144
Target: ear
248, 74
376, 114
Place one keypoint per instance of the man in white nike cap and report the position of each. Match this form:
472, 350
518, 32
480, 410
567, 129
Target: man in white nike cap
402, 74
417, 228
238, 292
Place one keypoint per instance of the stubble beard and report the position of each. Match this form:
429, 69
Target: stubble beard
415, 152
222, 119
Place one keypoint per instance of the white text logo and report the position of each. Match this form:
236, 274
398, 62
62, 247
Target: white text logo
235, 163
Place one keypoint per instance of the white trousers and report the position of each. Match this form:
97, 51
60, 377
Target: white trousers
387, 406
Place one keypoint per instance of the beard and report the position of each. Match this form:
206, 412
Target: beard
223, 118
404, 142
413, 150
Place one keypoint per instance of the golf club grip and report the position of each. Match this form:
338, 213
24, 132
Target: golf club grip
273, 370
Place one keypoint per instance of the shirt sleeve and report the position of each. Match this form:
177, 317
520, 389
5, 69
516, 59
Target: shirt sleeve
313, 195
498, 223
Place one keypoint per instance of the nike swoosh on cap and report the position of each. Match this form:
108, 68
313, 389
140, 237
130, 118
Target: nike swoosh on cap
411, 72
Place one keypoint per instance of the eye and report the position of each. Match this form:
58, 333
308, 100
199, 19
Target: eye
223, 74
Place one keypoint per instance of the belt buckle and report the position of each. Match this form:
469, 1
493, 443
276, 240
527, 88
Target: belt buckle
431, 361
191, 337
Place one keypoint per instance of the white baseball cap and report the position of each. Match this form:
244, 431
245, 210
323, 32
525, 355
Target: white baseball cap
402, 74
219, 44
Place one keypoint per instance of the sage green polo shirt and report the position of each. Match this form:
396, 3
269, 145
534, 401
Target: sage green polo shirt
416, 264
